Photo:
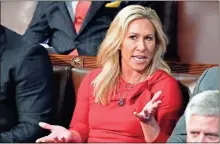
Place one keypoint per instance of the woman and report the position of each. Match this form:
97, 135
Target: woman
132, 98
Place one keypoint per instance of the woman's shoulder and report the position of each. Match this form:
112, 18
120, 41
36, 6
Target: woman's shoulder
92, 74
96, 71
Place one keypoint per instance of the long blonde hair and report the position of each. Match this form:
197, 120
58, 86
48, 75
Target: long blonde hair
105, 84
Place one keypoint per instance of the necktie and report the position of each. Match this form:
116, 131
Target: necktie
80, 13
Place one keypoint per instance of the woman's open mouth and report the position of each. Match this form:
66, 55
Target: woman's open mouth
140, 59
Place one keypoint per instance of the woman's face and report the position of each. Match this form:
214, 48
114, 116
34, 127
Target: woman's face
137, 48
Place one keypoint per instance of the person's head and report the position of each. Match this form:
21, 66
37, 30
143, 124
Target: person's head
203, 117
135, 40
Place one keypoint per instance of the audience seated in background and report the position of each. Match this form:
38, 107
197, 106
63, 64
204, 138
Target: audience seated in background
70, 29
132, 98
203, 118
208, 81
25, 88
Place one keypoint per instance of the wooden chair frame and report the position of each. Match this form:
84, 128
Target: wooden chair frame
90, 62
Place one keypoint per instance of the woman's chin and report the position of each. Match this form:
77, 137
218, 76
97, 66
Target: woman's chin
139, 68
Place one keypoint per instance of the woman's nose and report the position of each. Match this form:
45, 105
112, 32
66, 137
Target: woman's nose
141, 45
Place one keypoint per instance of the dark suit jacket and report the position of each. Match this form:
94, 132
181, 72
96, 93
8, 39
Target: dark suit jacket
25, 88
210, 80
52, 20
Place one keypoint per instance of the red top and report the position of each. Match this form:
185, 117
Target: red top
111, 123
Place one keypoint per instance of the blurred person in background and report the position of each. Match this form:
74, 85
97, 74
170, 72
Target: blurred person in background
25, 88
79, 27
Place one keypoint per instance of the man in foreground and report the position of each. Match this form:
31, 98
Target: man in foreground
203, 117
208, 81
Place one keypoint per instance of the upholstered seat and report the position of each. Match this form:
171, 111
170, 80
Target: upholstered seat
63, 95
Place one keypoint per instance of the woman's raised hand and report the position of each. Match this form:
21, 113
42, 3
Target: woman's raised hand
149, 109
148, 123
58, 134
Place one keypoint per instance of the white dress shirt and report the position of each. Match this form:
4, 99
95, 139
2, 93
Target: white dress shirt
71, 6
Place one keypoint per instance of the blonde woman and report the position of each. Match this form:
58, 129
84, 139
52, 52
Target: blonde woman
132, 98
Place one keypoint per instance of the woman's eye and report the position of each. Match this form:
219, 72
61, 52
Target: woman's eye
149, 38
133, 37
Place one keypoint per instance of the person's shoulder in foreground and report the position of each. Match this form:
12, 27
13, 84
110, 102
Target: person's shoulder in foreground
25, 84
209, 80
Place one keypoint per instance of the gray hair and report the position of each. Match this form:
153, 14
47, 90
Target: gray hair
204, 103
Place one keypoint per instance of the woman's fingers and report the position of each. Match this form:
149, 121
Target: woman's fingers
156, 104
153, 100
65, 136
62, 139
152, 108
40, 140
141, 117
56, 139
46, 125
156, 96
136, 114
147, 114
149, 108
45, 139
57, 133
50, 138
